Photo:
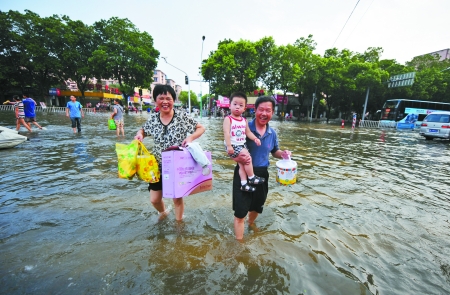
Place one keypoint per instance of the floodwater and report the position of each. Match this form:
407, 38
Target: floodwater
369, 214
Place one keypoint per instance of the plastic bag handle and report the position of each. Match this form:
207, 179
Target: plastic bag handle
142, 148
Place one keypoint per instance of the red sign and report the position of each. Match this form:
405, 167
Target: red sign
223, 102
280, 98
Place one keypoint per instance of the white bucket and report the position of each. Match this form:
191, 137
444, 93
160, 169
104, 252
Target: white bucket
286, 172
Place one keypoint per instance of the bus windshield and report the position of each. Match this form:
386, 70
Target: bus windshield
390, 110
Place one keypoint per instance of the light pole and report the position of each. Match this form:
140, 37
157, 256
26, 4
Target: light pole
201, 62
312, 104
365, 104
187, 80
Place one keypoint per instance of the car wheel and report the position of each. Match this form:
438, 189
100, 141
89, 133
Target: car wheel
428, 138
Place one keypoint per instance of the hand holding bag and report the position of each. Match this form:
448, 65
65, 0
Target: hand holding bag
146, 165
126, 159
112, 124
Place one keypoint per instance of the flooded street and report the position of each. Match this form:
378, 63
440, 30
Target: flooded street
369, 214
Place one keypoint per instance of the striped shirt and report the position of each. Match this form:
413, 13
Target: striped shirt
20, 106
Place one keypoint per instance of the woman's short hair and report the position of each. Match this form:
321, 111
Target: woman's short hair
163, 89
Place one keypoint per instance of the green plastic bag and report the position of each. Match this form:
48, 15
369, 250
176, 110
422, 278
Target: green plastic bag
127, 159
112, 124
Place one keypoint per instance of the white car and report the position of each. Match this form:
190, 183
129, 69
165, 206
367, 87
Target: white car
436, 125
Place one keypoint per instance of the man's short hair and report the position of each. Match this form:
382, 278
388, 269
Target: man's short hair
265, 98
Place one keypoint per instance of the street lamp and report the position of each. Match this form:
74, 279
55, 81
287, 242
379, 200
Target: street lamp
187, 80
201, 61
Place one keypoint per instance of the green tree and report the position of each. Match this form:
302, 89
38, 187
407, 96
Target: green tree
368, 77
393, 68
232, 67
306, 84
9, 57
265, 60
124, 53
77, 43
29, 55
184, 99
205, 99
287, 70
334, 83
431, 81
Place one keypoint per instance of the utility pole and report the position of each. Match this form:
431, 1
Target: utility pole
312, 104
187, 82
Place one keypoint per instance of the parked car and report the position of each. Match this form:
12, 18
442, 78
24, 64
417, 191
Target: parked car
436, 125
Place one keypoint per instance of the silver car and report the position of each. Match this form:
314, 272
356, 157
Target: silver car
436, 125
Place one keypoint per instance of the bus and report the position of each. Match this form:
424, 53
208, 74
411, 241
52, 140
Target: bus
396, 110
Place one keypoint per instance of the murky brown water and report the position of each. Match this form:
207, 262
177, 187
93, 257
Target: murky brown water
369, 214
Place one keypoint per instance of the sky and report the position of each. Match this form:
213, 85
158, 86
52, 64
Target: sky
403, 28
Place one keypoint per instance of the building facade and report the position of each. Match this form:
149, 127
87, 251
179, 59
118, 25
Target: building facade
159, 77
443, 54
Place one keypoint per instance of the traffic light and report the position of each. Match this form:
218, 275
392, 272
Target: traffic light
140, 92
186, 80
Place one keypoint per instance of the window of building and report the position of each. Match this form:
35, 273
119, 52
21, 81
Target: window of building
155, 79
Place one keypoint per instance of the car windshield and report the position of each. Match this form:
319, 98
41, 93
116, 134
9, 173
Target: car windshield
441, 118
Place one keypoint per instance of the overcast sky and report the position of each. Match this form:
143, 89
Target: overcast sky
403, 28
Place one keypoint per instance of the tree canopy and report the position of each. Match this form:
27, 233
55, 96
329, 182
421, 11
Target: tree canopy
339, 78
39, 53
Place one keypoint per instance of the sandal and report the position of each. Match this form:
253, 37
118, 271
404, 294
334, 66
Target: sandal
247, 188
256, 180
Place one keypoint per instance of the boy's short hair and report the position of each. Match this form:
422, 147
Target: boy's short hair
163, 89
238, 94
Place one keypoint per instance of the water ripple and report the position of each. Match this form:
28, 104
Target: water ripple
368, 215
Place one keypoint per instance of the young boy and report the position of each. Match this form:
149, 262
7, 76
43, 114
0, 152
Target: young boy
235, 130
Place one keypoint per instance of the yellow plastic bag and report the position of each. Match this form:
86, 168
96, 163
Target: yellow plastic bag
146, 165
126, 159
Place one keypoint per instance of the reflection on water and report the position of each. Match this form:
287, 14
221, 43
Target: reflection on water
368, 215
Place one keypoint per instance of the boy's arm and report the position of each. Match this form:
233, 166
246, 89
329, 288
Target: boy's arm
249, 133
252, 136
226, 131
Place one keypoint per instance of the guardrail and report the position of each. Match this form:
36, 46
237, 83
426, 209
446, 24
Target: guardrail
377, 124
10, 107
